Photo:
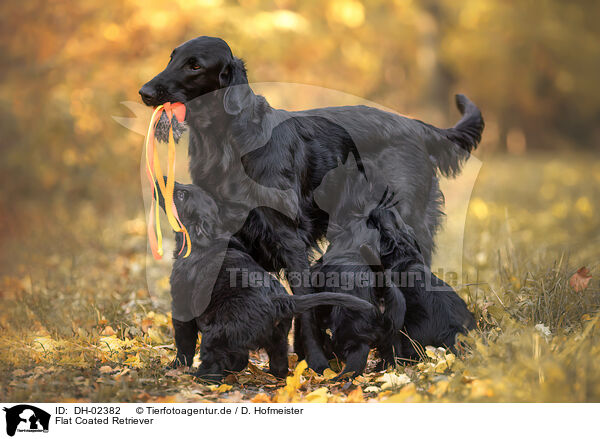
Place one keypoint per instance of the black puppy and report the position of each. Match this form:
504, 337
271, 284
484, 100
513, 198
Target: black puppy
343, 269
435, 314
248, 308
244, 151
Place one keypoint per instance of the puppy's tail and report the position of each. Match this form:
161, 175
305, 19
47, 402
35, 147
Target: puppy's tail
292, 305
464, 138
394, 301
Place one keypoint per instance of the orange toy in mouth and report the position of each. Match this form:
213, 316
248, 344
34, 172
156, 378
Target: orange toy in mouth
154, 172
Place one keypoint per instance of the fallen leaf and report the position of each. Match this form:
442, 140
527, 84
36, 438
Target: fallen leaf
134, 361
44, 344
224, 388
293, 383
356, 396
407, 394
146, 324
106, 369
329, 374
108, 331
391, 380
261, 397
580, 279
441, 366
320, 395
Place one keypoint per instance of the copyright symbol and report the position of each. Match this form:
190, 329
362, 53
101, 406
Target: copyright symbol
139, 410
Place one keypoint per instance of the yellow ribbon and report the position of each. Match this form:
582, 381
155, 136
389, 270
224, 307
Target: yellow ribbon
153, 164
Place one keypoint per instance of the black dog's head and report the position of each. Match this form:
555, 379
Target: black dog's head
198, 213
198, 67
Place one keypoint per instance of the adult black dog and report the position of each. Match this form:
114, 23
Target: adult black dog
245, 152
245, 312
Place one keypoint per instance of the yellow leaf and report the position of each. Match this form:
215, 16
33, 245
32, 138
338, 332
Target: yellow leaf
361, 379
431, 352
134, 361
329, 374
407, 394
155, 335
44, 344
450, 358
224, 388
439, 388
319, 395
161, 319
261, 397
106, 369
441, 366
356, 395
293, 383
391, 380
111, 343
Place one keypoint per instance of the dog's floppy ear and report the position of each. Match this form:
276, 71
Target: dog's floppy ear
237, 91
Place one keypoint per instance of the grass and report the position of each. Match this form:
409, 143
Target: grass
77, 322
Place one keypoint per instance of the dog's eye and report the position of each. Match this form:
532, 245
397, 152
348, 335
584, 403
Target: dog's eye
193, 64
180, 195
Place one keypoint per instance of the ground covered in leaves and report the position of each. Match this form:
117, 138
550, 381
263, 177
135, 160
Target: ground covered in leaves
78, 324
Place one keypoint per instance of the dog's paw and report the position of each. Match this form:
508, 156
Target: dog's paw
211, 378
319, 366
278, 373
180, 361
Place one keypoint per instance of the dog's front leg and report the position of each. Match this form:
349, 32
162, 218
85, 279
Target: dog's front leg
186, 335
315, 357
306, 332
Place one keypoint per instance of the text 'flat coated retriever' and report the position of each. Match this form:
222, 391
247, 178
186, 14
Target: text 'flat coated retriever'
241, 315
247, 154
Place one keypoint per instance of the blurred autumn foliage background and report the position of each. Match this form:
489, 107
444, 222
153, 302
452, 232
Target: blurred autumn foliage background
66, 66
72, 231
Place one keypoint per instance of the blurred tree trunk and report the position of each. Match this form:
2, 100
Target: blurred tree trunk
440, 78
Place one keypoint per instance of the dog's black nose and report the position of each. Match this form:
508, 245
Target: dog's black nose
148, 93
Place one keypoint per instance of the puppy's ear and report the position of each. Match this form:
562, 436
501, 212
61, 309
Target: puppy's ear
237, 94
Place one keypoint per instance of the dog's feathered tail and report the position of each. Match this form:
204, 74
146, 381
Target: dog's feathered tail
289, 306
393, 299
463, 138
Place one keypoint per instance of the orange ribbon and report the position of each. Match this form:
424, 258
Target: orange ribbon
154, 173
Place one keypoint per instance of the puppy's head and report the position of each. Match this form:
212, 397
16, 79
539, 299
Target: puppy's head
197, 211
198, 67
